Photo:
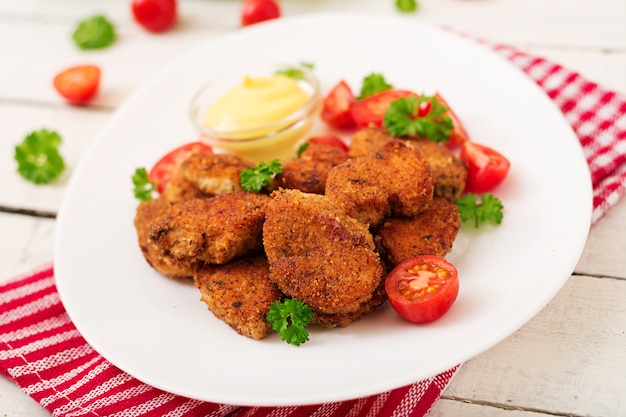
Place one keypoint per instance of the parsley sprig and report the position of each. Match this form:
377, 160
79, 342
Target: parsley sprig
96, 32
260, 175
403, 118
295, 72
407, 6
143, 188
290, 319
38, 157
488, 209
372, 84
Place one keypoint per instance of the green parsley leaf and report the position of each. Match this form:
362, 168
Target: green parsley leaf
407, 6
402, 118
143, 187
257, 177
96, 32
302, 148
38, 157
290, 319
372, 84
489, 209
294, 72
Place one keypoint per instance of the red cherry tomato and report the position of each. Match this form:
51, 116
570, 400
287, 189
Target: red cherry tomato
155, 15
330, 141
423, 288
168, 166
78, 85
370, 111
458, 135
486, 167
336, 106
255, 11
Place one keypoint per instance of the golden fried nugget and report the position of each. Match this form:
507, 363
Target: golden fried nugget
214, 174
240, 294
309, 172
432, 232
344, 319
213, 230
449, 172
368, 140
394, 180
319, 255
179, 189
146, 213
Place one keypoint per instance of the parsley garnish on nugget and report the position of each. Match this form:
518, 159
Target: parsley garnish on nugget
423, 116
257, 177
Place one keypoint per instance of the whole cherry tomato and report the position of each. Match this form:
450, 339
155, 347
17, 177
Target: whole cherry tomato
336, 106
155, 15
168, 166
79, 84
423, 288
486, 167
370, 111
255, 11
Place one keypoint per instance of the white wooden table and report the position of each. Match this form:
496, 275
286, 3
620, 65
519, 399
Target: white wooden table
570, 360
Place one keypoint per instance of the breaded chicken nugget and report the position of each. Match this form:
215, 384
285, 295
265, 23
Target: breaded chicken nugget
179, 189
449, 172
240, 294
214, 174
213, 230
368, 140
309, 172
319, 255
345, 319
146, 213
432, 232
395, 180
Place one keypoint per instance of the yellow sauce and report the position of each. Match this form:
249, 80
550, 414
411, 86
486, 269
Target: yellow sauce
253, 109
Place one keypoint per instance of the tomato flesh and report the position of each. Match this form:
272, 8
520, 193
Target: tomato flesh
155, 15
458, 134
370, 111
486, 167
79, 84
330, 141
423, 288
336, 106
168, 167
255, 11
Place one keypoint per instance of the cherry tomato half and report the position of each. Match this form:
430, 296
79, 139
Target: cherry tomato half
486, 167
155, 15
168, 166
458, 134
423, 288
336, 106
255, 11
330, 141
370, 111
78, 85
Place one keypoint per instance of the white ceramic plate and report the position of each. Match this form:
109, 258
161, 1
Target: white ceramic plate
157, 330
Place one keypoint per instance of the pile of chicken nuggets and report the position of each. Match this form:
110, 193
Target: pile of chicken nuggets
325, 231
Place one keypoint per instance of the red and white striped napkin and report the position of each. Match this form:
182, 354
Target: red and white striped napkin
41, 350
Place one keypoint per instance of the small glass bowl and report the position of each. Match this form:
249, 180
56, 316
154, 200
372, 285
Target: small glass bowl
276, 140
